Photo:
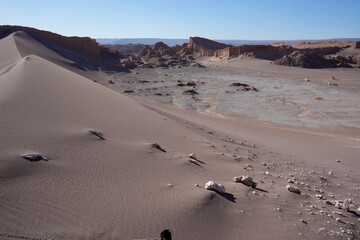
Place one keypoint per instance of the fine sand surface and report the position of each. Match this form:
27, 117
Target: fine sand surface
123, 188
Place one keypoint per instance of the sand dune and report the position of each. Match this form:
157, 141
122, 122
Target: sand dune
122, 187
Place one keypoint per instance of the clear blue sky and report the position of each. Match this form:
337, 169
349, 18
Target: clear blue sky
214, 19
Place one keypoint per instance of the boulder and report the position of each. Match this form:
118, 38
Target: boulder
210, 185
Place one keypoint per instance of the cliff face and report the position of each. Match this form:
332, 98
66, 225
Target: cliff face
82, 45
357, 45
82, 50
204, 47
209, 48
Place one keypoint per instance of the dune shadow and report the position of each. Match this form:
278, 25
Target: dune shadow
228, 196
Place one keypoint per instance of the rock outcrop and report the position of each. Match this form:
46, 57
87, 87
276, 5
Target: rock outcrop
314, 60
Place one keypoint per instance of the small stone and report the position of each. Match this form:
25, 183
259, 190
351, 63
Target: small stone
157, 146
193, 156
337, 161
248, 181
303, 221
33, 157
321, 229
98, 134
293, 189
331, 173
266, 173
319, 196
339, 220
210, 185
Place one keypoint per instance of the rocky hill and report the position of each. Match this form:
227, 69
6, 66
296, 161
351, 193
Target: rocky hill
82, 50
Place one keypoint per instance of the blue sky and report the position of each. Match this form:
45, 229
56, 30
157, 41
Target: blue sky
215, 19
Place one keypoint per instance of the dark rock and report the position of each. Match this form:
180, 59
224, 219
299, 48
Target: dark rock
128, 91
191, 84
190, 92
98, 134
157, 146
33, 157
243, 87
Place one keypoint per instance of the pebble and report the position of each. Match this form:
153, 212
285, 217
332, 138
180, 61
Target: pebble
293, 189
33, 157
339, 220
303, 221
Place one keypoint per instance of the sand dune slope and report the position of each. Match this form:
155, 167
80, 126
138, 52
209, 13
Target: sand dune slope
89, 188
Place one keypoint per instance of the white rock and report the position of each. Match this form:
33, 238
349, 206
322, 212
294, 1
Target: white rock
319, 196
193, 156
338, 220
210, 185
293, 189
331, 173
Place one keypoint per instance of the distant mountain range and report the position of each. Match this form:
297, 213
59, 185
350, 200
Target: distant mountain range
173, 42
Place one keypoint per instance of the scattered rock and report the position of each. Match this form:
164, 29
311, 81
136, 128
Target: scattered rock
98, 134
243, 87
190, 92
343, 204
191, 84
181, 84
339, 220
293, 189
319, 196
34, 157
157, 146
210, 185
248, 181
111, 82
128, 91
193, 156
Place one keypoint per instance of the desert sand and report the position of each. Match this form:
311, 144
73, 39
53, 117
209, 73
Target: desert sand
121, 187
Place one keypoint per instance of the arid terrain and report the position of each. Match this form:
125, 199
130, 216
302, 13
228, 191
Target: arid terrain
98, 145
